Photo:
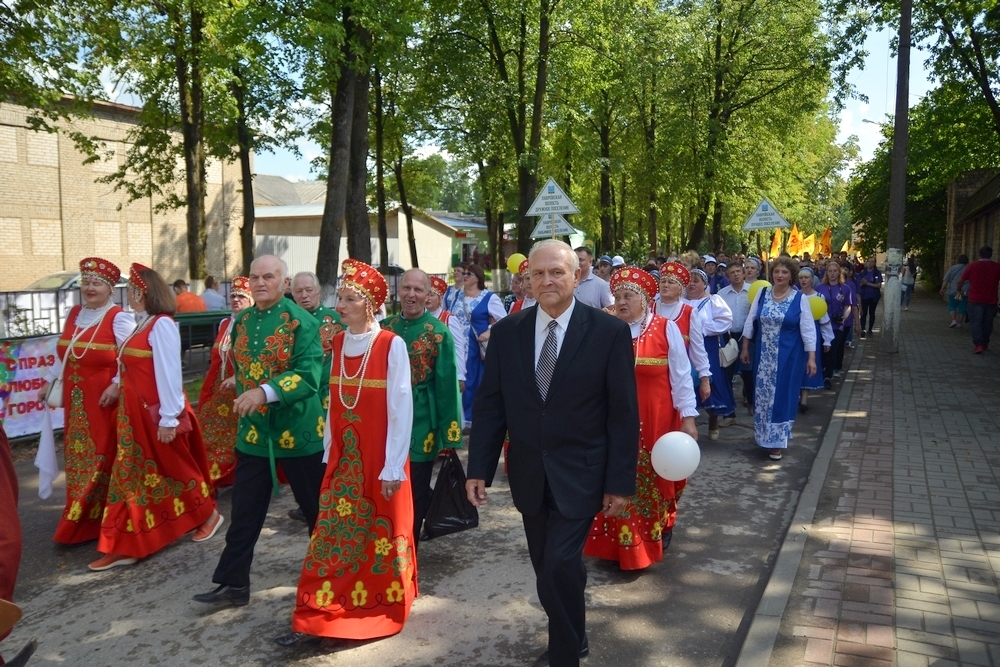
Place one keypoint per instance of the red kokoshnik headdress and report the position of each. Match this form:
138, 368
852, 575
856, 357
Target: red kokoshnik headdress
366, 280
135, 279
241, 287
439, 285
677, 272
636, 280
102, 269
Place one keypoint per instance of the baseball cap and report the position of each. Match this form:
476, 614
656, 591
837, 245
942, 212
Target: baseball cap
604, 259
617, 260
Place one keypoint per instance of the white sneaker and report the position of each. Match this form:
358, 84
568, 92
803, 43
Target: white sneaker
836, 374
953, 324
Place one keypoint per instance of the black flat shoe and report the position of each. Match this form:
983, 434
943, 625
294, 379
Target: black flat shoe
22, 656
543, 659
238, 596
667, 536
291, 639
297, 514
803, 408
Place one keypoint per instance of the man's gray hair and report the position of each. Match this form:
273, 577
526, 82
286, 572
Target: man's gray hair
307, 274
281, 262
571, 257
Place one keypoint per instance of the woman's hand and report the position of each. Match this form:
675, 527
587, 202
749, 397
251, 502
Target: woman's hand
811, 364
688, 426
826, 348
43, 391
166, 433
745, 354
389, 488
705, 389
483, 337
110, 395
228, 384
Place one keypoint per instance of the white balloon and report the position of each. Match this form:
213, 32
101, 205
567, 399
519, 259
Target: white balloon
675, 456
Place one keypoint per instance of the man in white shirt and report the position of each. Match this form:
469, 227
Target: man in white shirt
590, 289
737, 297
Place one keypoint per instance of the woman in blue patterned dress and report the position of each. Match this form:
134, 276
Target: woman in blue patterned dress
784, 334
479, 310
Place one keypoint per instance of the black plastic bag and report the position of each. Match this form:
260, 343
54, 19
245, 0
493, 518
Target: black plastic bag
450, 510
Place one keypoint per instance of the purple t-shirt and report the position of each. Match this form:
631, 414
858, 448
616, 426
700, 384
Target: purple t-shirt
839, 299
869, 291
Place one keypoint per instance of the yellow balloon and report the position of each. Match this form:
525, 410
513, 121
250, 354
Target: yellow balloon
514, 262
756, 287
818, 306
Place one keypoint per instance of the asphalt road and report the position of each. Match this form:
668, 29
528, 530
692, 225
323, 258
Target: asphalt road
477, 603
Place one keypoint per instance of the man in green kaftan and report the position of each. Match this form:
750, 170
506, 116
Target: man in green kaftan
278, 360
437, 402
307, 294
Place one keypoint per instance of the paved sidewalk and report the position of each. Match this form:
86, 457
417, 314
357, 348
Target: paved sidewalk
900, 564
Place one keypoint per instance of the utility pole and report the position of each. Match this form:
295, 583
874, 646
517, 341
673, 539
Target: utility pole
897, 187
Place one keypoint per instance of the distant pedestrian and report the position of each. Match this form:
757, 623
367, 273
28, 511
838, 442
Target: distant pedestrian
187, 301
956, 298
908, 279
839, 295
983, 277
824, 332
870, 281
590, 289
213, 300
516, 292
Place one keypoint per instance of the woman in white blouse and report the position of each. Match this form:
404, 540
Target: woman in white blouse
717, 320
479, 311
359, 575
674, 278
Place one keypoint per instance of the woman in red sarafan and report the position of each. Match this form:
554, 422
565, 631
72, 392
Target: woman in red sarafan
216, 416
160, 486
87, 352
637, 537
359, 575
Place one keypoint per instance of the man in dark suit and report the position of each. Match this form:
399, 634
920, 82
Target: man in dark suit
560, 379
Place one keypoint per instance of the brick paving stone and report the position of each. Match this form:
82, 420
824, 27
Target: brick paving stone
906, 540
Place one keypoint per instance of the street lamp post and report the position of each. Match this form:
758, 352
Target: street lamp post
897, 187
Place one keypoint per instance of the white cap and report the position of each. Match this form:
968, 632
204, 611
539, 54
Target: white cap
617, 260
709, 258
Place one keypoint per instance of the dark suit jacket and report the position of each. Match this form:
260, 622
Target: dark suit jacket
584, 439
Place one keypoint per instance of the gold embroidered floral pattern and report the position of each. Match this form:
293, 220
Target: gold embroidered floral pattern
359, 596
290, 383
344, 508
256, 370
320, 426
454, 432
324, 596
287, 440
252, 436
429, 443
394, 593
382, 546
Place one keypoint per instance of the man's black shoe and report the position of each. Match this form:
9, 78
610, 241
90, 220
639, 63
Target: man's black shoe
667, 536
543, 659
238, 596
22, 656
291, 639
297, 514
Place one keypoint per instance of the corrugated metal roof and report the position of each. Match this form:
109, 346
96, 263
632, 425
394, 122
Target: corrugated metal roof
311, 192
459, 223
274, 191
984, 197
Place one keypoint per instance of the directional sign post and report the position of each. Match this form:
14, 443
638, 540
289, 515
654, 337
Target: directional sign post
551, 226
765, 216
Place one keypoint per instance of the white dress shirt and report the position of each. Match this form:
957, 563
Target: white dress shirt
807, 328
542, 329
165, 341
399, 399
678, 367
739, 305
696, 335
716, 318
594, 292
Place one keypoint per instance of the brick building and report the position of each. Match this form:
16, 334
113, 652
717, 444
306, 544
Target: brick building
973, 214
53, 213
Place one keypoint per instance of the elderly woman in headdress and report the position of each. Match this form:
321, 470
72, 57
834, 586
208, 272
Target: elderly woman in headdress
637, 537
674, 279
87, 363
359, 575
160, 485
216, 416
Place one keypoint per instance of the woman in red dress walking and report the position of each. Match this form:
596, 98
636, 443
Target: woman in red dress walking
216, 416
160, 486
359, 576
88, 348
637, 537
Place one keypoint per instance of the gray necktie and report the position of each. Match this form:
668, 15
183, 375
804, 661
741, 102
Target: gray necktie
546, 362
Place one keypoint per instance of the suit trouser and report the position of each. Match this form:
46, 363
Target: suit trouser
420, 481
252, 496
555, 544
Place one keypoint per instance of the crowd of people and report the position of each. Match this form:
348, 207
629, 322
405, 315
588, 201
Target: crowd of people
573, 377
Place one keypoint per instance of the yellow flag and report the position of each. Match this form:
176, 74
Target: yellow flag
794, 246
776, 244
846, 247
826, 243
808, 245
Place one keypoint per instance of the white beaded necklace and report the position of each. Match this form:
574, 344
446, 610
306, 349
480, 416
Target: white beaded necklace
226, 345
349, 401
75, 338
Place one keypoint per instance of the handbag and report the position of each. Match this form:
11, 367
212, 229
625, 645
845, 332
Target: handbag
183, 419
54, 396
729, 353
450, 510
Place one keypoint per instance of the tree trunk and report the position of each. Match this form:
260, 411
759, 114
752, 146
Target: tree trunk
332, 225
621, 212
403, 204
716, 226
607, 206
244, 140
359, 235
383, 230
527, 174
189, 85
